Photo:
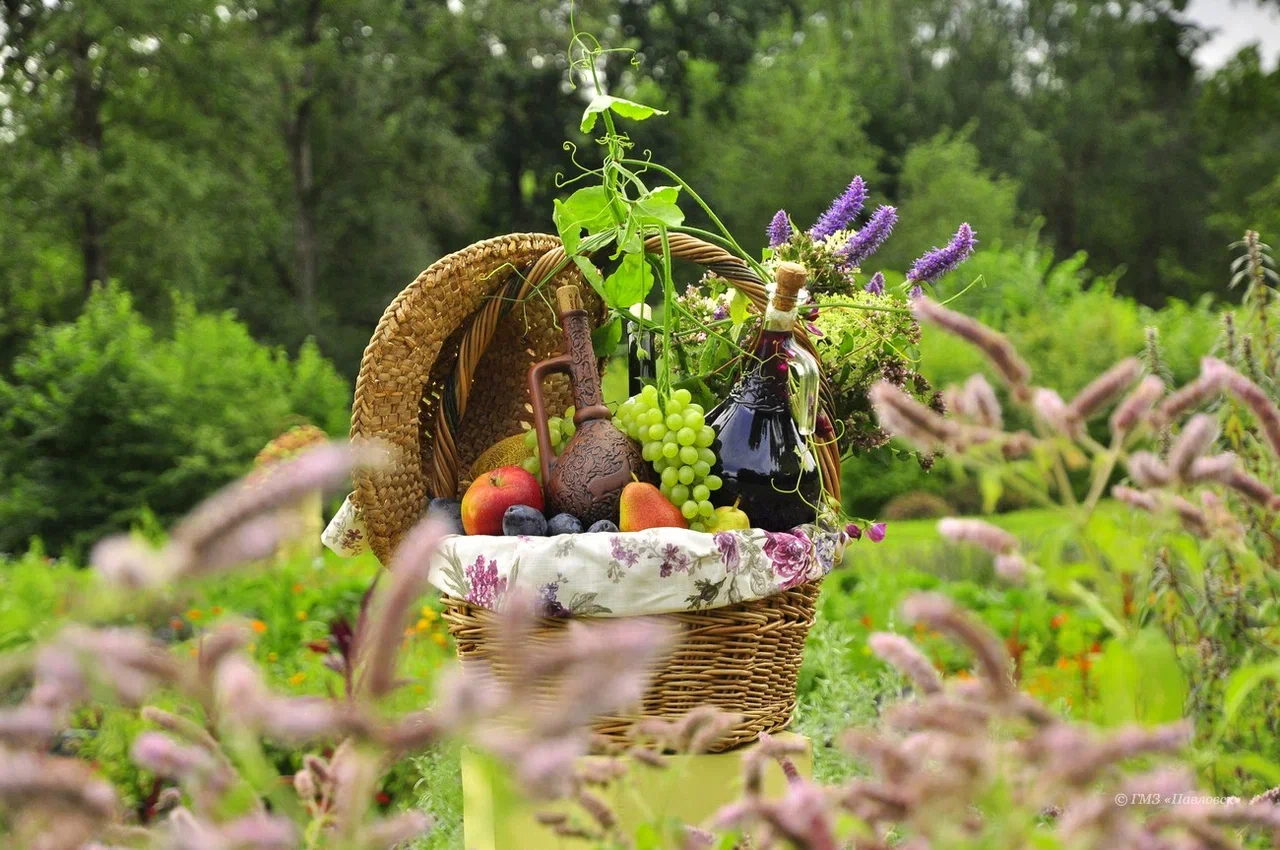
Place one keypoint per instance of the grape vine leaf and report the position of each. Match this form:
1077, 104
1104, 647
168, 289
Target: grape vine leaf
587, 208
605, 338
620, 106
629, 284
658, 206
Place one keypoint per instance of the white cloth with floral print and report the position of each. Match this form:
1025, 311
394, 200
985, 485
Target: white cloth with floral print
628, 574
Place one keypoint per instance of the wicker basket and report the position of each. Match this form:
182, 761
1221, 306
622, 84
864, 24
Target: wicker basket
444, 377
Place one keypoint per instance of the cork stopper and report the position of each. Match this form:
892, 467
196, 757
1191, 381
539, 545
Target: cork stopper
791, 279
568, 298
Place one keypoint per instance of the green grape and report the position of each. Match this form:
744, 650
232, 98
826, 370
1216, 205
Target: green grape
670, 450
671, 476
531, 465
685, 475
683, 396
692, 417
666, 490
568, 428
531, 439
707, 456
569, 411
674, 406
689, 509
686, 436
660, 464
701, 469
701, 493
706, 508
706, 436
646, 452
679, 494
656, 432
653, 416
697, 526
675, 421
671, 438
688, 455
649, 392
553, 426
713, 482
617, 423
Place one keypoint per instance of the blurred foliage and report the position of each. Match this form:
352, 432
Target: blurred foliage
301, 162
1067, 322
104, 418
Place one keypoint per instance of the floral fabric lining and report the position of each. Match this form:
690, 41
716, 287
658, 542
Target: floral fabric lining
658, 571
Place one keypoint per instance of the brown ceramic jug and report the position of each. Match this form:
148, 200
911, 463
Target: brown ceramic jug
587, 479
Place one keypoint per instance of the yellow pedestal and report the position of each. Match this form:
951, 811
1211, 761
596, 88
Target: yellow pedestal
691, 789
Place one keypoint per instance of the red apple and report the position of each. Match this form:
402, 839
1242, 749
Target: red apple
489, 496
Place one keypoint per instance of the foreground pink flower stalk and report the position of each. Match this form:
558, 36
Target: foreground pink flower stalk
57, 804
972, 763
1002, 355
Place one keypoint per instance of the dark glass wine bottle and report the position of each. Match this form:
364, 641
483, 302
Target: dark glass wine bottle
762, 428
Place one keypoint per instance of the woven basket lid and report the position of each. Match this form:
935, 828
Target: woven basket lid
445, 375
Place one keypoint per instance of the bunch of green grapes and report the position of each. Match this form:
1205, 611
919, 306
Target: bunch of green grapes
561, 428
677, 441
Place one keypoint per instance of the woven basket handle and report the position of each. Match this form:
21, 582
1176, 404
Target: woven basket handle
444, 465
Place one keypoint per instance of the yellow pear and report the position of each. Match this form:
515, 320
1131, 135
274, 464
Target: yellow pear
730, 518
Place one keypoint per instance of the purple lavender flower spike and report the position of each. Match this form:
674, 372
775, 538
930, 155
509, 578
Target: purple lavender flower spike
779, 229
939, 261
876, 285
842, 212
917, 291
876, 532
872, 235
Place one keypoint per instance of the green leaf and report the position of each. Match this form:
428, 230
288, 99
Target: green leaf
738, 308
659, 207
992, 489
589, 271
1141, 681
588, 209
620, 106
629, 284
1240, 685
605, 338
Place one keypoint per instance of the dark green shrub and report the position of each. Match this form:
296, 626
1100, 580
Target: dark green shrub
918, 504
103, 419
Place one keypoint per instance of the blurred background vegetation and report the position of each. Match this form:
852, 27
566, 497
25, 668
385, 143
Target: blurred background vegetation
207, 205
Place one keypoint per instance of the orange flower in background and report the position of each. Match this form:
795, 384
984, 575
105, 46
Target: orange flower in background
423, 624
271, 656
215, 610
439, 638
428, 613
297, 588
302, 616
1063, 663
1096, 647
194, 614
175, 623
258, 627
1059, 620
297, 679
866, 621
963, 674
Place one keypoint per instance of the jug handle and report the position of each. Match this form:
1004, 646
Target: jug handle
537, 374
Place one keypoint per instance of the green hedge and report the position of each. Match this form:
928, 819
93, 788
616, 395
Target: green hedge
104, 419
